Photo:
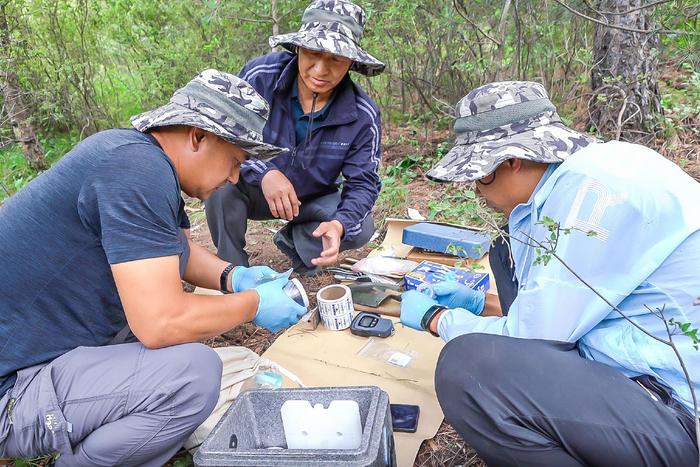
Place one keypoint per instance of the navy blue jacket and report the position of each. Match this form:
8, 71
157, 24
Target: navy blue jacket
347, 142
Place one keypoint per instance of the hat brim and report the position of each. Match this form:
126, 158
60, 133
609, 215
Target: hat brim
175, 114
546, 144
324, 40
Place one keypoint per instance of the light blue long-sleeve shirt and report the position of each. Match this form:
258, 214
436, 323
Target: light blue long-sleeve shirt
645, 255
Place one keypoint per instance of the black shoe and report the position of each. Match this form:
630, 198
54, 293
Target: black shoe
286, 246
306, 271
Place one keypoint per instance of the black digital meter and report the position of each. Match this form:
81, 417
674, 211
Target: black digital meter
371, 325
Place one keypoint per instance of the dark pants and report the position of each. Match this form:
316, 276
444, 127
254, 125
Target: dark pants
503, 272
539, 403
230, 207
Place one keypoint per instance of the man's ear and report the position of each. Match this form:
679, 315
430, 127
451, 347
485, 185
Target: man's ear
515, 164
196, 136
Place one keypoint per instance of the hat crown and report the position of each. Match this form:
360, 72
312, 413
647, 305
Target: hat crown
497, 95
338, 15
226, 99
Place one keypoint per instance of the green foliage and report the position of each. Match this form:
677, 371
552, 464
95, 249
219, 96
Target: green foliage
89, 65
185, 461
393, 199
405, 170
547, 247
686, 330
459, 207
34, 462
683, 99
14, 171
463, 254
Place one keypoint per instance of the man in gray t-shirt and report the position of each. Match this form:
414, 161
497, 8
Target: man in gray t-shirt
97, 243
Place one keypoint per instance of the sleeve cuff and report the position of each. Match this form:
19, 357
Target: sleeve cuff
455, 322
350, 230
255, 170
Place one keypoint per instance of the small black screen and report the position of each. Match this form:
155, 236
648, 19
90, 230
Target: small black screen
365, 321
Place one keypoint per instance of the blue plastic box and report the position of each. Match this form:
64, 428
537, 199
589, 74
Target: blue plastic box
447, 239
431, 273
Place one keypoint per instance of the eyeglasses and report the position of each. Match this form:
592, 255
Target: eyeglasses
483, 181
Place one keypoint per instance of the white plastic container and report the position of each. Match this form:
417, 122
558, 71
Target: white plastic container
307, 427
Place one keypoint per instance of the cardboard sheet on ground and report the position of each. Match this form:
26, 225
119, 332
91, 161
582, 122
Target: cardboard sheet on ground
329, 358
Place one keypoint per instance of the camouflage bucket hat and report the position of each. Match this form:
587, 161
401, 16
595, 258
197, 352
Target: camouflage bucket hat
220, 103
501, 121
333, 26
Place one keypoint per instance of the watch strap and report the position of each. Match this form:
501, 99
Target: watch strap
223, 279
429, 315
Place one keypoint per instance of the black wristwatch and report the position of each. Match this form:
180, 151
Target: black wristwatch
223, 279
428, 317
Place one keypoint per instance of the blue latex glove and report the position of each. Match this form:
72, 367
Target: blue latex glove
414, 305
276, 311
243, 278
452, 294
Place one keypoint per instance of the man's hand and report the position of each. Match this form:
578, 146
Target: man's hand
276, 311
452, 294
280, 195
414, 305
330, 233
243, 278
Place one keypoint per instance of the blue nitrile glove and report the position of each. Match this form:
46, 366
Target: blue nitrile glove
414, 305
243, 278
452, 294
276, 311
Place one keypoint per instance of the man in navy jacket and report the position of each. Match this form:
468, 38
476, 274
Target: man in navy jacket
331, 128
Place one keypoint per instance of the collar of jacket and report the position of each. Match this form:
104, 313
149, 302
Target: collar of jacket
344, 106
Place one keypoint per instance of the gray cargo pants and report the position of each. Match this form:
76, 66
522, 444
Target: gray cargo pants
229, 208
114, 405
538, 403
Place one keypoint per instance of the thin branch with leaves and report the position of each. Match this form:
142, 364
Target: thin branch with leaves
547, 250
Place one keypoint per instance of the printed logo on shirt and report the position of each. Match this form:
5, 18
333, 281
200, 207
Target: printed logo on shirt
592, 198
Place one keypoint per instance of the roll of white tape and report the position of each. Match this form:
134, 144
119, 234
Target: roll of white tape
336, 307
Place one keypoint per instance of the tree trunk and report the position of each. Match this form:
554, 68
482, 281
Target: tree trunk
625, 103
15, 106
275, 18
499, 74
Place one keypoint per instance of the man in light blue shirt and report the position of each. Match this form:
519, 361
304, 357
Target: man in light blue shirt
577, 371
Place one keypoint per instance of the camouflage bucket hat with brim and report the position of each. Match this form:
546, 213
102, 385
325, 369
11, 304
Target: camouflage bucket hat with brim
501, 121
220, 103
333, 26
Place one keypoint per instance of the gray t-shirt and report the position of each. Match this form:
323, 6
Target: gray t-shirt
114, 198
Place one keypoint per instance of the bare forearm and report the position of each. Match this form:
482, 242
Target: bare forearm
202, 316
204, 267
492, 306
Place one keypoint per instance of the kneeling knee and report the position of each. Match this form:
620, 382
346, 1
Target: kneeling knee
470, 360
203, 369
